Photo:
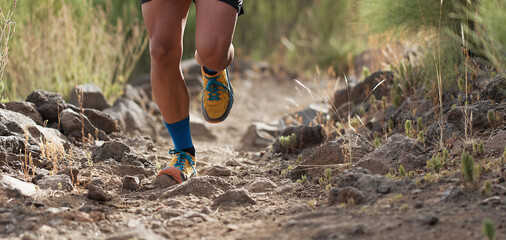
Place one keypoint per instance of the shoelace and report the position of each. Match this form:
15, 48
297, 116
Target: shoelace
213, 87
182, 158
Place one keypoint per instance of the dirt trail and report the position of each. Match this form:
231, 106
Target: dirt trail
251, 195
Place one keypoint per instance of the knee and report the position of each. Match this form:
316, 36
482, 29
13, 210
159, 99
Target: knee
215, 55
165, 53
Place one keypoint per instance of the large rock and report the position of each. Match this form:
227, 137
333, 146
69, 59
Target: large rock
360, 91
48, 104
258, 136
26, 108
113, 149
305, 137
137, 95
101, 120
457, 116
133, 120
336, 151
397, 149
24, 188
74, 124
92, 97
495, 89
56, 182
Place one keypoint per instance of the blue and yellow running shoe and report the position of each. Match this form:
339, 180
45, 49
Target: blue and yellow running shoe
181, 167
217, 97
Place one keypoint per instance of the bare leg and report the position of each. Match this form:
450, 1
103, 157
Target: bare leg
216, 22
165, 21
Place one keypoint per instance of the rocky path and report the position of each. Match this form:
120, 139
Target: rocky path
312, 183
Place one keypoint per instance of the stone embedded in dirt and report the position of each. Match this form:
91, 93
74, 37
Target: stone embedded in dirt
49, 104
132, 119
298, 208
199, 130
305, 137
360, 91
137, 95
26, 189
82, 217
233, 198
132, 159
123, 170
336, 151
164, 181
348, 195
429, 220
434, 132
495, 145
73, 124
72, 172
495, 89
217, 171
98, 194
101, 120
131, 183
138, 233
494, 201
396, 150
111, 149
454, 194
55, 182
88, 96
261, 185
258, 136
205, 186
232, 163
168, 213
26, 108
315, 114
479, 111
383, 189
97, 216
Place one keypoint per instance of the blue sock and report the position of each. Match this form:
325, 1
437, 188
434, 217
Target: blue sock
181, 136
208, 71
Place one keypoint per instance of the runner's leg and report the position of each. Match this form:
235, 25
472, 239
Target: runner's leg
216, 22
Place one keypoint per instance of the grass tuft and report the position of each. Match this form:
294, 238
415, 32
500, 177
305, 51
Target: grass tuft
468, 168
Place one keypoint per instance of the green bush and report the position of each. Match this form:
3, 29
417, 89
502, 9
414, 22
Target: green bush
468, 168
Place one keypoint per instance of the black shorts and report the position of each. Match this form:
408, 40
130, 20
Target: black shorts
237, 4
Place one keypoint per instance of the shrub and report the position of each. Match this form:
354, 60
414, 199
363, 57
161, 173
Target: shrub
489, 229
60, 44
402, 171
468, 168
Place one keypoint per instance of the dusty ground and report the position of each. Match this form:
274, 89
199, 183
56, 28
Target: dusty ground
273, 207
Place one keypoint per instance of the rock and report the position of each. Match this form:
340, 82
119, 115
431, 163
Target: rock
383, 189
397, 149
257, 136
315, 114
478, 110
131, 183
494, 201
26, 108
336, 151
298, 208
233, 198
73, 173
454, 194
199, 131
434, 132
111, 149
97, 216
347, 195
429, 220
73, 124
91, 97
216, 170
138, 233
24, 188
56, 182
133, 120
232, 163
359, 91
48, 104
82, 217
261, 185
305, 137
98, 194
164, 181
101, 120
205, 186
137, 95
363, 180
495, 89
12, 144
190, 66
495, 145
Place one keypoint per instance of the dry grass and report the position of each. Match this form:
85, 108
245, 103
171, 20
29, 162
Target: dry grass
58, 47
7, 27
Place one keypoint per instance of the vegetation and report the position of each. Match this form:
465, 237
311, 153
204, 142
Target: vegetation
468, 168
489, 229
7, 26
